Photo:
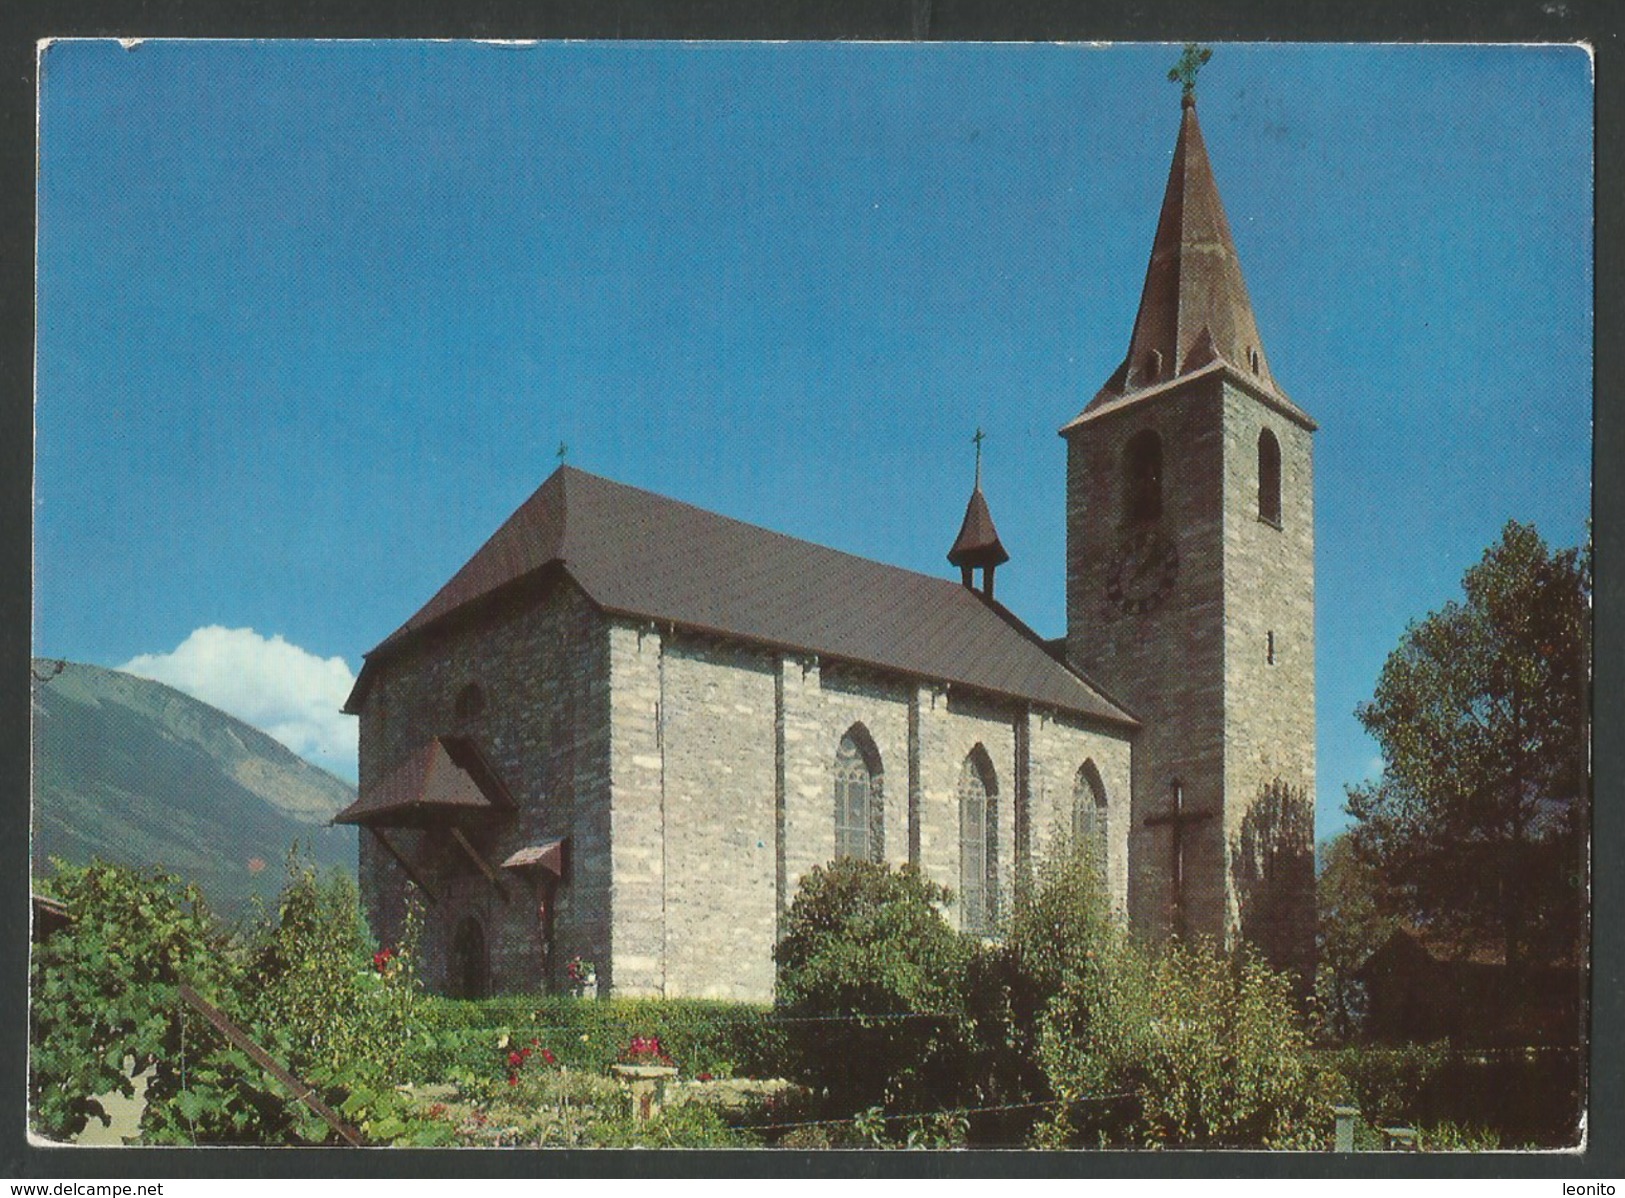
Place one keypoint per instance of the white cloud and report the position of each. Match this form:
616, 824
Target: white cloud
279, 688
1373, 769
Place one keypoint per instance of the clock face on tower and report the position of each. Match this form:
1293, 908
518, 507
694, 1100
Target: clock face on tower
1142, 572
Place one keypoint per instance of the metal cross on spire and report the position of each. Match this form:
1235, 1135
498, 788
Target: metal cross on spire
979, 438
563, 452
1190, 62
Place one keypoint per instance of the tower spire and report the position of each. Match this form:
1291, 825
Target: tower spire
1194, 309
978, 542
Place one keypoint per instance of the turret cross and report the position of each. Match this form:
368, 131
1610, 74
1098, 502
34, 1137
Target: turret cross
979, 438
1190, 62
1176, 820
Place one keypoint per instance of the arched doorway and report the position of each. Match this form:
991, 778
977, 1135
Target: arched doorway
470, 963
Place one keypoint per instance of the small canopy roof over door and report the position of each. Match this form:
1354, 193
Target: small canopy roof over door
445, 780
545, 855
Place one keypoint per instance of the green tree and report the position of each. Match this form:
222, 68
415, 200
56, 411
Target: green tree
1476, 827
1351, 928
871, 988
1060, 922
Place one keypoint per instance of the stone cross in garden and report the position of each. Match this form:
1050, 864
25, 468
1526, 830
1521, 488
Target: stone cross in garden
1176, 820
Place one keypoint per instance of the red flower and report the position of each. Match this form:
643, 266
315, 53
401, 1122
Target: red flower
516, 1059
547, 1055
381, 958
513, 1079
704, 1077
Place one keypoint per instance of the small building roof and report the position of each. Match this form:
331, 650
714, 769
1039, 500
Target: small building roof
1194, 313
547, 855
51, 915
638, 554
444, 778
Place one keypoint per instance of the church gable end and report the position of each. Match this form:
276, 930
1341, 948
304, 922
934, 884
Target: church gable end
543, 734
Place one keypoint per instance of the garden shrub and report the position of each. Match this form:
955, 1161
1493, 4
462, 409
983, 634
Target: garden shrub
1190, 1048
457, 1039
871, 990
332, 996
316, 995
1060, 920
1387, 1084
103, 990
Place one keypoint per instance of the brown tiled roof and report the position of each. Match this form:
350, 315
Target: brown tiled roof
638, 554
445, 777
1194, 310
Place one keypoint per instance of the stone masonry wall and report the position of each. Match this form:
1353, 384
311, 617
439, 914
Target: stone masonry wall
722, 775
1166, 665
1270, 589
544, 730
1060, 747
717, 718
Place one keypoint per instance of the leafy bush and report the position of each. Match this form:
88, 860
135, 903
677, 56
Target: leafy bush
1060, 922
1453, 1137
1386, 1084
102, 991
871, 990
333, 998
321, 1000
1191, 1048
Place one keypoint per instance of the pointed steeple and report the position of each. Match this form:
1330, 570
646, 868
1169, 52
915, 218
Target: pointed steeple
978, 542
1194, 310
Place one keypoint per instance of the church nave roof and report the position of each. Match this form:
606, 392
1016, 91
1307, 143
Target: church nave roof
638, 554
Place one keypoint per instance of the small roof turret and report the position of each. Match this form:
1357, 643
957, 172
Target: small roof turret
978, 544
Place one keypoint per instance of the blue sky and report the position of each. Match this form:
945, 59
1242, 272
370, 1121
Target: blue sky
315, 317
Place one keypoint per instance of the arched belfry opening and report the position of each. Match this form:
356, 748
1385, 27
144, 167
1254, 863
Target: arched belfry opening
1142, 478
978, 546
1269, 478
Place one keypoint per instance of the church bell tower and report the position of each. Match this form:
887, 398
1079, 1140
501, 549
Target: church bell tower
1190, 588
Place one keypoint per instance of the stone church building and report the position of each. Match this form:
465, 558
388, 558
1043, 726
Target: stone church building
627, 727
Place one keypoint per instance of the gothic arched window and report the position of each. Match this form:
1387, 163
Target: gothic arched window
978, 842
859, 812
1142, 478
1269, 478
1089, 813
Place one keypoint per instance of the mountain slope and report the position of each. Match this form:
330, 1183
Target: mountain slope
136, 772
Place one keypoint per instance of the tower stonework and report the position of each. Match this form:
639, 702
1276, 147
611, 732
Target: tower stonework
1190, 590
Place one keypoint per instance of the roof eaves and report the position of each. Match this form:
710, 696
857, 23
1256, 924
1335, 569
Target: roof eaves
788, 646
1265, 394
407, 634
